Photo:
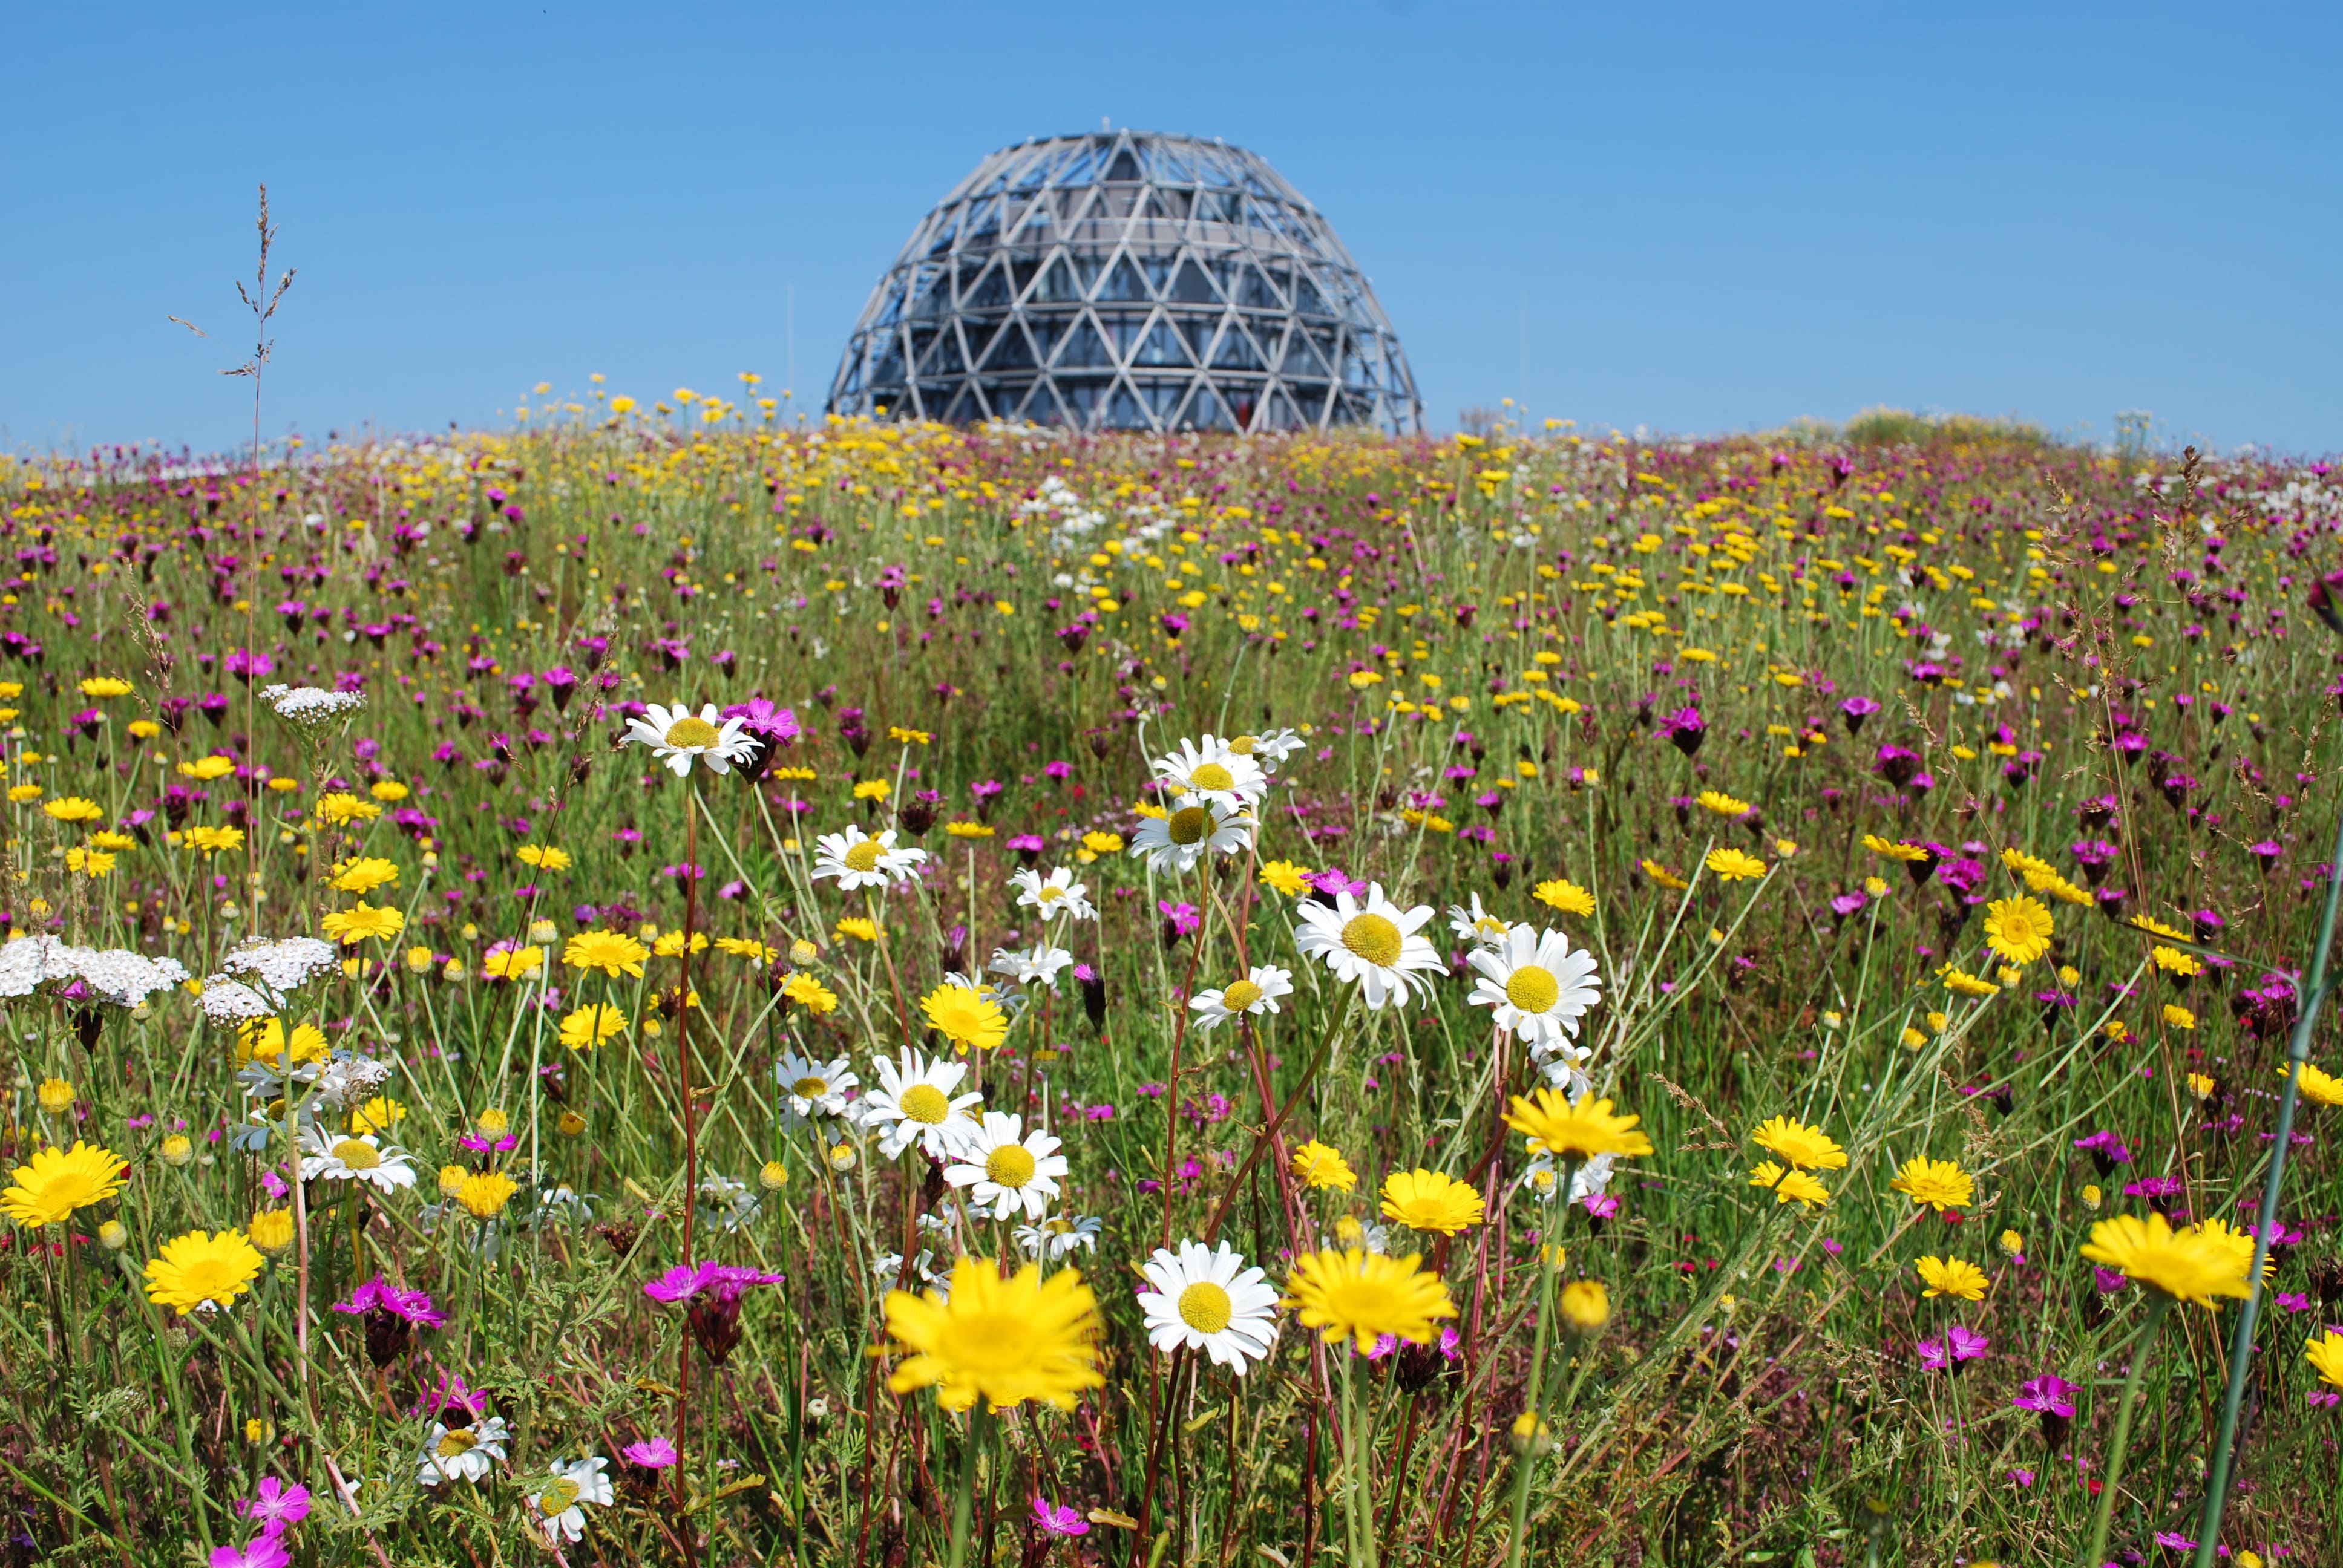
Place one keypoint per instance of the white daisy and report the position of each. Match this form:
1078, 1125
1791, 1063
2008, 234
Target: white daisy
860, 860
811, 1087
1177, 841
1055, 1238
1257, 993
560, 1501
1039, 964
1207, 1300
1475, 924
364, 1158
677, 735
1005, 1171
912, 1103
1539, 985
461, 1452
1215, 770
1269, 750
1370, 943
1056, 894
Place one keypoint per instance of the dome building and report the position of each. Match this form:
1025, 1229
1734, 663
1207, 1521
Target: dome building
1124, 280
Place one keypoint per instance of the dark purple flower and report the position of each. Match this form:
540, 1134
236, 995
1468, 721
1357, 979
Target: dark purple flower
712, 1293
2106, 1150
1854, 710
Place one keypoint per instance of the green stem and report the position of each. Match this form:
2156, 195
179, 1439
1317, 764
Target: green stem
2308, 996
980, 1424
2159, 1304
1548, 1265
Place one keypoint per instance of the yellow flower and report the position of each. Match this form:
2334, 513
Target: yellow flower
271, 1230
1005, 1341
2318, 1085
773, 1176
199, 1271
589, 1026
967, 829
1893, 852
1807, 1148
1585, 1306
2186, 1265
1665, 877
860, 928
2178, 1017
966, 1017
485, 1193
870, 789
1564, 895
2172, 960
20, 793
1735, 865
264, 1041
613, 952
1428, 1201
378, 1114
1286, 878
747, 948
2092, 1196
57, 1182
56, 1095
1321, 1166
2018, 929
811, 994
98, 688
1724, 805
418, 960
354, 924
341, 808
544, 857
1102, 843
1912, 1039
1967, 984
1362, 1296
73, 809
208, 841
513, 963
388, 790
1953, 1277
1789, 1186
2326, 1354
1941, 1184
671, 946
362, 877
1554, 1126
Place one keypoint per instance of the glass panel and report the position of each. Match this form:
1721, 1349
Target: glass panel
1123, 167
1009, 350
991, 289
1123, 282
1125, 412
1254, 293
1190, 286
1084, 346
1057, 283
1162, 346
1235, 351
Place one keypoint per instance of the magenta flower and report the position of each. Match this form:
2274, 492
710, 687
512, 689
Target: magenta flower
1180, 920
1958, 1345
391, 1317
1058, 1519
261, 1552
278, 1507
652, 1453
2050, 1395
712, 1293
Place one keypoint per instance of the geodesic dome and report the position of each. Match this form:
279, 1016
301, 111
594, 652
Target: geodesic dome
1125, 280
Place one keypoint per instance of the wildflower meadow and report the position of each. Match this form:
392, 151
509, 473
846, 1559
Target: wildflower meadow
672, 985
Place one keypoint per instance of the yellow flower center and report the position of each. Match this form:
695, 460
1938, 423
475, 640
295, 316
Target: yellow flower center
1241, 995
1212, 776
925, 1102
1189, 825
1532, 989
812, 1087
864, 857
357, 1154
1243, 744
1374, 939
558, 1498
1050, 891
1205, 1307
1010, 1165
685, 734
460, 1442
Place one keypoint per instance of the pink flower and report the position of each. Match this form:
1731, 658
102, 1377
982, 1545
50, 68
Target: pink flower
652, 1453
278, 1507
1058, 1519
260, 1552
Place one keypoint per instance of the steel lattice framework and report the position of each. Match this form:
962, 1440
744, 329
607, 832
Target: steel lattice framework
1126, 280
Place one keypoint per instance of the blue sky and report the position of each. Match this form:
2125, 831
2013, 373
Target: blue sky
1707, 217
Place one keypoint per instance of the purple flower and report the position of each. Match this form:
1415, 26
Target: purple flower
2294, 1302
278, 1507
651, 1453
1180, 920
1058, 1519
2021, 1477
1848, 903
263, 1551
1684, 729
2174, 1539
1855, 709
712, 1292
2050, 1395
2106, 1150
452, 1394
1959, 1345
1333, 883
2109, 1281
391, 1317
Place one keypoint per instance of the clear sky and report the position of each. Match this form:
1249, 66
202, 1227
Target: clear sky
1686, 217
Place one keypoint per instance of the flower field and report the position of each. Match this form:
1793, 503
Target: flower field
667, 988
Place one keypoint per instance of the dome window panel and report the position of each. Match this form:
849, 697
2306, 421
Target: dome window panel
1254, 285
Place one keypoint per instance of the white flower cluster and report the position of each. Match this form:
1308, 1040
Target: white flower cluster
230, 1001
311, 707
285, 964
118, 975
